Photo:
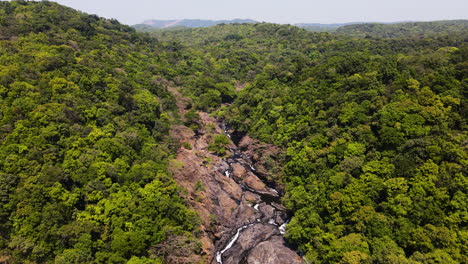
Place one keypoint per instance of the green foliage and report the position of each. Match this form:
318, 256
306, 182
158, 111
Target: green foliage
187, 145
218, 144
84, 146
192, 119
199, 186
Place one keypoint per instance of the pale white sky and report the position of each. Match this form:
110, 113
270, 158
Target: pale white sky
286, 11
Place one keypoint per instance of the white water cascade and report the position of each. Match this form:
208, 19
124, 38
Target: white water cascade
242, 159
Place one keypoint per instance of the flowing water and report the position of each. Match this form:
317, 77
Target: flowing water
278, 218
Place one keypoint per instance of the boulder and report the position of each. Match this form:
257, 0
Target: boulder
273, 251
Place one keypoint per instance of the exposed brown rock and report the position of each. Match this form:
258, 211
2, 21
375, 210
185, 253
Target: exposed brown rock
273, 251
222, 203
266, 157
239, 171
254, 182
251, 198
267, 211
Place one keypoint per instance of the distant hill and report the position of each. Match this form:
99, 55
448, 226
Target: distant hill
405, 29
190, 23
147, 28
317, 27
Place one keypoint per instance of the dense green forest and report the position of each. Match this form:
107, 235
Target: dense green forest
83, 142
374, 127
409, 29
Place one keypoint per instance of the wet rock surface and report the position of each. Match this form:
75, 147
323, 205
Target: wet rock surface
242, 217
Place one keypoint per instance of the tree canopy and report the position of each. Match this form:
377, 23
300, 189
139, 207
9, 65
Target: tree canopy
83, 143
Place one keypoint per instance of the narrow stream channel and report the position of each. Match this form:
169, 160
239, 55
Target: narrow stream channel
278, 218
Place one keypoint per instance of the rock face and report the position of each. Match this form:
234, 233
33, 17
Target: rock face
272, 252
248, 240
261, 244
241, 214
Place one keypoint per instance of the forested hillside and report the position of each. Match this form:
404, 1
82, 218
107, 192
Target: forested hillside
374, 131
83, 142
409, 29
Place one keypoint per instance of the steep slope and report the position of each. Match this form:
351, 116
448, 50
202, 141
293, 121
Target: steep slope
83, 143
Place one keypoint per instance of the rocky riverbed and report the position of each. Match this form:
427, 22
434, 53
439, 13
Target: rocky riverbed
243, 220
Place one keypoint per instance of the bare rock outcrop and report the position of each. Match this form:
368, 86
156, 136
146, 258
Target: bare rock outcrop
240, 214
273, 252
248, 240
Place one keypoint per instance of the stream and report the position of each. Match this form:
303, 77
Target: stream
269, 210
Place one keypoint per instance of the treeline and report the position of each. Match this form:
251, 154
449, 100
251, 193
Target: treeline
84, 143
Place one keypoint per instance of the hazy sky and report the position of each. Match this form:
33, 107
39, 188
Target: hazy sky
287, 11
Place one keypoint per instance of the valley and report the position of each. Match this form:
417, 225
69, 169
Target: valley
236, 143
